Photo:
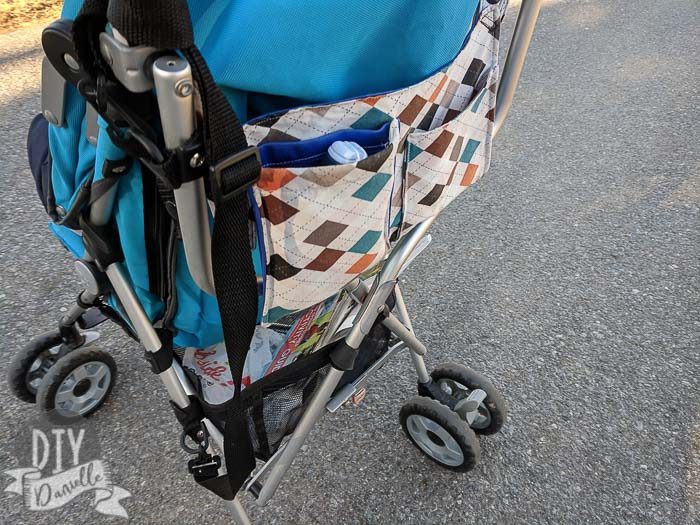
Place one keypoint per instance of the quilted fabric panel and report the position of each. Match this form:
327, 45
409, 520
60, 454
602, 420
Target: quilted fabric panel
443, 162
325, 225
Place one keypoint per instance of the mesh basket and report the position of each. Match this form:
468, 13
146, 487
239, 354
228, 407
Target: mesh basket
274, 405
276, 413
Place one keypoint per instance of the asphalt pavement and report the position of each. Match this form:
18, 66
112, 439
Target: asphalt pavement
570, 275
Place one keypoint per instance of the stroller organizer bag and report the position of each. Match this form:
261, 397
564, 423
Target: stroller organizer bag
259, 263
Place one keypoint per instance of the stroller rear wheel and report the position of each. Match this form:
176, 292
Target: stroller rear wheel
458, 381
77, 385
29, 366
440, 434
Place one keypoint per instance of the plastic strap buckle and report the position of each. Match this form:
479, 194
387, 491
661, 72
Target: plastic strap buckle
223, 191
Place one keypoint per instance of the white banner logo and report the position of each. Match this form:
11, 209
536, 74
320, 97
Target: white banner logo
57, 476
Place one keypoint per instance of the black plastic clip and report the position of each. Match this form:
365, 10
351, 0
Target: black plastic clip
102, 242
117, 167
222, 190
204, 466
189, 159
160, 360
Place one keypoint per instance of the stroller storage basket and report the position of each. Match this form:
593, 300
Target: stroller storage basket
274, 404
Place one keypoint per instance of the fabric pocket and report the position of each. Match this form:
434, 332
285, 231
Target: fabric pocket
40, 161
442, 162
323, 224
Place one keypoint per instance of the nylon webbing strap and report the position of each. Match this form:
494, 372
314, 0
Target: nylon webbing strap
165, 24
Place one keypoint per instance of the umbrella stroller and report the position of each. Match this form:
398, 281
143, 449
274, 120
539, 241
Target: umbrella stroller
242, 202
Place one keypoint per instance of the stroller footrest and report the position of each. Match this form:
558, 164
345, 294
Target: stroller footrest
91, 318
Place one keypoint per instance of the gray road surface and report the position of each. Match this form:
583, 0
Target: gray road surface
570, 275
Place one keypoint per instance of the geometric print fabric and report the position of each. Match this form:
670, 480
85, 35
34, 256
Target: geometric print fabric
324, 225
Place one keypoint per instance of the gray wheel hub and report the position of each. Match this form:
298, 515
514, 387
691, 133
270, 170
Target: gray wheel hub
434, 440
83, 389
458, 391
46, 359
40, 366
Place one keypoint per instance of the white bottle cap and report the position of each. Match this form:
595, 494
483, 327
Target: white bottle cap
346, 152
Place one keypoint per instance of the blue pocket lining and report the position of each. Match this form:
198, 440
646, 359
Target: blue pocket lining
314, 152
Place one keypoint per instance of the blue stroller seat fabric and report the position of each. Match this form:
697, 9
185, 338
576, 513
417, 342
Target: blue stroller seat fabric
269, 69
320, 134
265, 59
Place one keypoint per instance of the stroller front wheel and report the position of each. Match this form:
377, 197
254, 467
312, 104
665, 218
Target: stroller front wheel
440, 434
77, 385
29, 366
458, 381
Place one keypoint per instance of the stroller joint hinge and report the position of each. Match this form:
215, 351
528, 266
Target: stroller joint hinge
432, 390
70, 334
130, 64
343, 356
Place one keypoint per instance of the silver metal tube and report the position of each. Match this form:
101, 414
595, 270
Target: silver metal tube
175, 389
76, 310
419, 365
403, 333
144, 329
101, 209
238, 513
386, 282
401, 253
401, 308
140, 321
172, 77
187, 386
522, 34
369, 312
418, 362
265, 467
240, 516
312, 414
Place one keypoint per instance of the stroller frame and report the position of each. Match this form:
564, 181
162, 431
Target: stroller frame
170, 73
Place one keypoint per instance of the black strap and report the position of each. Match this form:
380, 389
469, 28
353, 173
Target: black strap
234, 275
165, 24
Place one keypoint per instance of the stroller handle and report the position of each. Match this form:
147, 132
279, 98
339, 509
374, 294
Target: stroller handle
517, 51
172, 77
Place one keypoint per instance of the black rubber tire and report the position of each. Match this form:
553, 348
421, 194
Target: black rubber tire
449, 421
22, 360
494, 402
45, 396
